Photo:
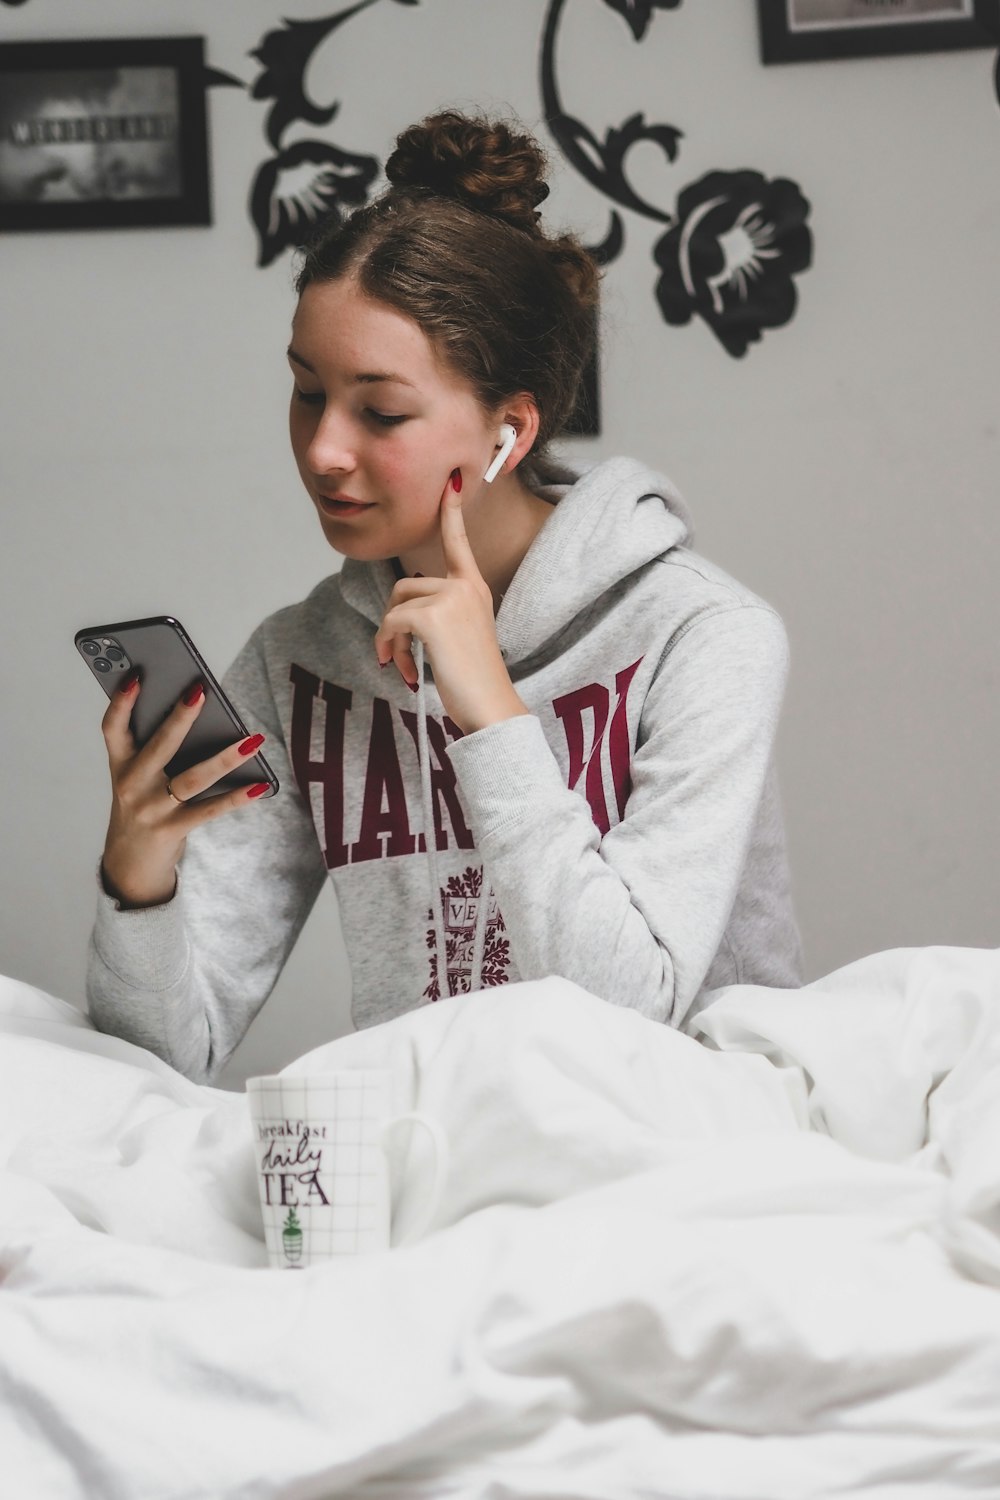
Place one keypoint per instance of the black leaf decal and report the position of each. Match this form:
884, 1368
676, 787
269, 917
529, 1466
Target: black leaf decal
285, 55
636, 129
603, 164
619, 142
302, 185
612, 244
216, 78
639, 13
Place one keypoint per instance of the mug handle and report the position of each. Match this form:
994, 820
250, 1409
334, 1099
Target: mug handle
442, 1161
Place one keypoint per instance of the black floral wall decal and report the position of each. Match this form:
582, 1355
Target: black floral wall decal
287, 201
730, 248
730, 256
734, 241
639, 13
602, 163
286, 55
309, 179
216, 78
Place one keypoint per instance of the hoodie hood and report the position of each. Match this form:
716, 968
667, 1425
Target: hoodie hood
608, 522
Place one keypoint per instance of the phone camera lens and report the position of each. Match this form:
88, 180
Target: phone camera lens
114, 653
90, 648
102, 664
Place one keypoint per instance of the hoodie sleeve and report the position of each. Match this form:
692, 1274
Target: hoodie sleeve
638, 916
186, 979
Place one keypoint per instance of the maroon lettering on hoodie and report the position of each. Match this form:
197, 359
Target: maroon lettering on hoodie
383, 811
386, 829
444, 787
328, 772
594, 701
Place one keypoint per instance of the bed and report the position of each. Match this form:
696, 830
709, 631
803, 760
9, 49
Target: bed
756, 1260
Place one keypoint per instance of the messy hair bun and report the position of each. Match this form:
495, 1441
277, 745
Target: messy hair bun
457, 244
480, 163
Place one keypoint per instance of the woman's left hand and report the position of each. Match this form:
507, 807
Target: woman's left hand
453, 616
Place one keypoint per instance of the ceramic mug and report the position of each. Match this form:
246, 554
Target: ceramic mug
323, 1166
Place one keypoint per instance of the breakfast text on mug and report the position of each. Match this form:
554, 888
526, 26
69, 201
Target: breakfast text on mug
289, 1127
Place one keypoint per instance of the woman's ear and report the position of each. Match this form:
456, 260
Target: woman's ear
521, 413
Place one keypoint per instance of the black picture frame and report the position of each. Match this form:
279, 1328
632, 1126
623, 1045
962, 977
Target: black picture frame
789, 34
103, 134
585, 418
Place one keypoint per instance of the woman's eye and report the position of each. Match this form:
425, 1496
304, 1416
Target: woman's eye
383, 419
309, 398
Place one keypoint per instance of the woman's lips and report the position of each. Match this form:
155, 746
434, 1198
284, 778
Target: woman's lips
341, 506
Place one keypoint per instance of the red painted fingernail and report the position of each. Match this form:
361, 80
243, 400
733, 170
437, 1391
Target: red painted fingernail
250, 745
131, 681
414, 687
456, 479
384, 664
194, 695
258, 790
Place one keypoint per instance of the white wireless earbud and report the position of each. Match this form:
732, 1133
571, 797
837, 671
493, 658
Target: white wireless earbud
508, 437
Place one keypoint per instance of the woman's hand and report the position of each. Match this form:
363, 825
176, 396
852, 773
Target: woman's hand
453, 616
150, 817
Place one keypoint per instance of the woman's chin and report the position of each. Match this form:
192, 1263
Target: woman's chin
361, 548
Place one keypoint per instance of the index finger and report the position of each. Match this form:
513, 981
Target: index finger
116, 722
459, 560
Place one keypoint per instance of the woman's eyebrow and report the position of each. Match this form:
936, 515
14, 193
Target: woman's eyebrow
374, 379
368, 378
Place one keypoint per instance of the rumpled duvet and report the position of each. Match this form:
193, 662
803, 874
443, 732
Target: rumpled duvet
755, 1260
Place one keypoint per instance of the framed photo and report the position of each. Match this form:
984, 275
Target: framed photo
103, 134
809, 30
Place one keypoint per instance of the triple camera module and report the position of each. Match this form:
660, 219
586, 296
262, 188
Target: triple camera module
104, 654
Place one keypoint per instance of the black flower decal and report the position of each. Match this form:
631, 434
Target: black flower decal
731, 254
298, 187
639, 13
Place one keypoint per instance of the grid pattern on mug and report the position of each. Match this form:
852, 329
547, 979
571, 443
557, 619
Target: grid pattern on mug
352, 1108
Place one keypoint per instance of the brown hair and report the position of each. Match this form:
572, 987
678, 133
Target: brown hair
455, 244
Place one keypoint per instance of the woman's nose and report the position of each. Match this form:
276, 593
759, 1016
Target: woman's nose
330, 448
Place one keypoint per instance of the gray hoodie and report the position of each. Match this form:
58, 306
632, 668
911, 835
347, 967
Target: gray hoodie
625, 834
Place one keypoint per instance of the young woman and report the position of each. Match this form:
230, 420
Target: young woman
525, 729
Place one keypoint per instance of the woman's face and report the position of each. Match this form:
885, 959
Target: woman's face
377, 422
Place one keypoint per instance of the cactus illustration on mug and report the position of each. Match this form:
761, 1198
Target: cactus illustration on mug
291, 1238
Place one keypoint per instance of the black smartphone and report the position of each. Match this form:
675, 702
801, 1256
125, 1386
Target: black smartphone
169, 663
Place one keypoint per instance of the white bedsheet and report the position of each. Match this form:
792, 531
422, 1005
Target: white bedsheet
760, 1265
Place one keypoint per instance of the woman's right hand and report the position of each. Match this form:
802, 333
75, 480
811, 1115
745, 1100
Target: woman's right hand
150, 816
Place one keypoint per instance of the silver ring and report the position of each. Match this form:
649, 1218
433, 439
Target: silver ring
179, 800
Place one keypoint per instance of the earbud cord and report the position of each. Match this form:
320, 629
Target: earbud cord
479, 944
430, 832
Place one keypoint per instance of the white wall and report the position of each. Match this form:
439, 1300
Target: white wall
846, 468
